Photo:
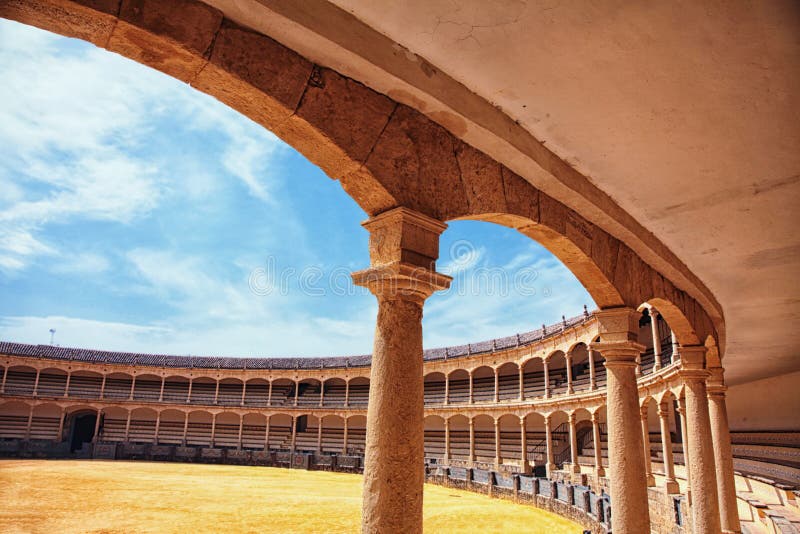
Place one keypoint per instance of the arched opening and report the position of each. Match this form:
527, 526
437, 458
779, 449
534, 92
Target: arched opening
254, 431
508, 382
170, 428
52, 383
356, 434
147, 388
85, 385
119, 386
176, 389
483, 384
510, 445
583, 437
45, 422
459, 386
536, 443
256, 392
198, 430
143, 425
359, 392
115, 424
204, 390
459, 438
557, 372
280, 432
533, 378
308, 392
14, 420
434, 439
581, 375
226, 430
484, 439
230, 392
335, 389
434, 385
282, 392
81, 429
20, 380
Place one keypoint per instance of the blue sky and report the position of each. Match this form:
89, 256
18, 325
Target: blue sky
138, 214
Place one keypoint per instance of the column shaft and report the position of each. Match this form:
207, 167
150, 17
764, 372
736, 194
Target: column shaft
496, 386
30, 423
266, 435
656, 339
550, 466
471, 442
521, 385
96, 426
241, 428
705, 504
666, 447
60, 433
723, 460
573, 444
161, 393
525, 466
447, 389
498, 453
570, 390
598, 447
36, 382
447, 440
648, 464
546, 379
158, 424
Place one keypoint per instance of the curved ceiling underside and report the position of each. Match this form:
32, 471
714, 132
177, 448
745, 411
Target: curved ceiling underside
686, 114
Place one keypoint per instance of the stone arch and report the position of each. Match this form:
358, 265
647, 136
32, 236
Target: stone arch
533, 377
20, 380
147, 387
359, 391
52, 382
230, 392
434, 438
483, 384
434, 386
143, 425
176, 389
115, 419
198, 428
170, 428
459, 386
334, 391
508, 381
484, 438
14, 419
383, 153
459, 436
557, 372
85, 384
226, 430
118, 386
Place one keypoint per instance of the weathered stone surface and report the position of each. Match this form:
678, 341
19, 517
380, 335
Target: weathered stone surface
521, 197
173, 37
370, 194
415, 161
255, 75
483, 181
89, 20
337, 122
552, 214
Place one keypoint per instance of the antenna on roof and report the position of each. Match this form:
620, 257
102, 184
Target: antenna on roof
52, 334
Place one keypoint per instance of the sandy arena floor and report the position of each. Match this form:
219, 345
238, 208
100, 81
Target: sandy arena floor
94, 496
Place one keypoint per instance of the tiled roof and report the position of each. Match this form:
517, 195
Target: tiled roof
218, 362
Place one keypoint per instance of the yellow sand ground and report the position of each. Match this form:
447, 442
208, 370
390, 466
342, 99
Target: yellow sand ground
65, 496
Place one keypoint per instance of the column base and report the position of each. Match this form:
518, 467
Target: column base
550, 468
672, 487
526, 469
651, 481
600, 472
575, 468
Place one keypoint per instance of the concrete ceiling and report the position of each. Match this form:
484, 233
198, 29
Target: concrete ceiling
685, 114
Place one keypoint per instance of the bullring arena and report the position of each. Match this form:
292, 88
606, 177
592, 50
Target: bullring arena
670, 408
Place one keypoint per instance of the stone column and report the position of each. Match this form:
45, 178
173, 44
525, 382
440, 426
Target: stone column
570, 389
598, 447
319, 435
550, 466
66, 386
216, 392
160, 393
185, 428
60, 433
546, 366
30, 423
592, 379
670, 484
471, 442
244, 392
498, 452
266, 435
241, 427
403, 246
189, 393
213, 429
103, 388
525, 466
521, 385
133, 387
447, 389
573, 444
447, 441
685, 447
128, 426
269, 394
676, 354
321, 393
5, 375
648, 464
496, 386
656, 339
471, 389
294, 432
96, 425
723, 456
628, 486
705, 505
346, 393
296, 391
36, 382
158, 424
344, 442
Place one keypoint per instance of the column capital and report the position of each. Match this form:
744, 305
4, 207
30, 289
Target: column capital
620, 353
693, 359
571, 417
643, 411
653, 313
618, 324
663, 409
595, 417
403, 248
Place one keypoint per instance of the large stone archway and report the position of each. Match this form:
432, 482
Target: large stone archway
384, 154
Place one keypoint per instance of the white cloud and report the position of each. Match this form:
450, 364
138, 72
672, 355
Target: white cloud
85, 263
